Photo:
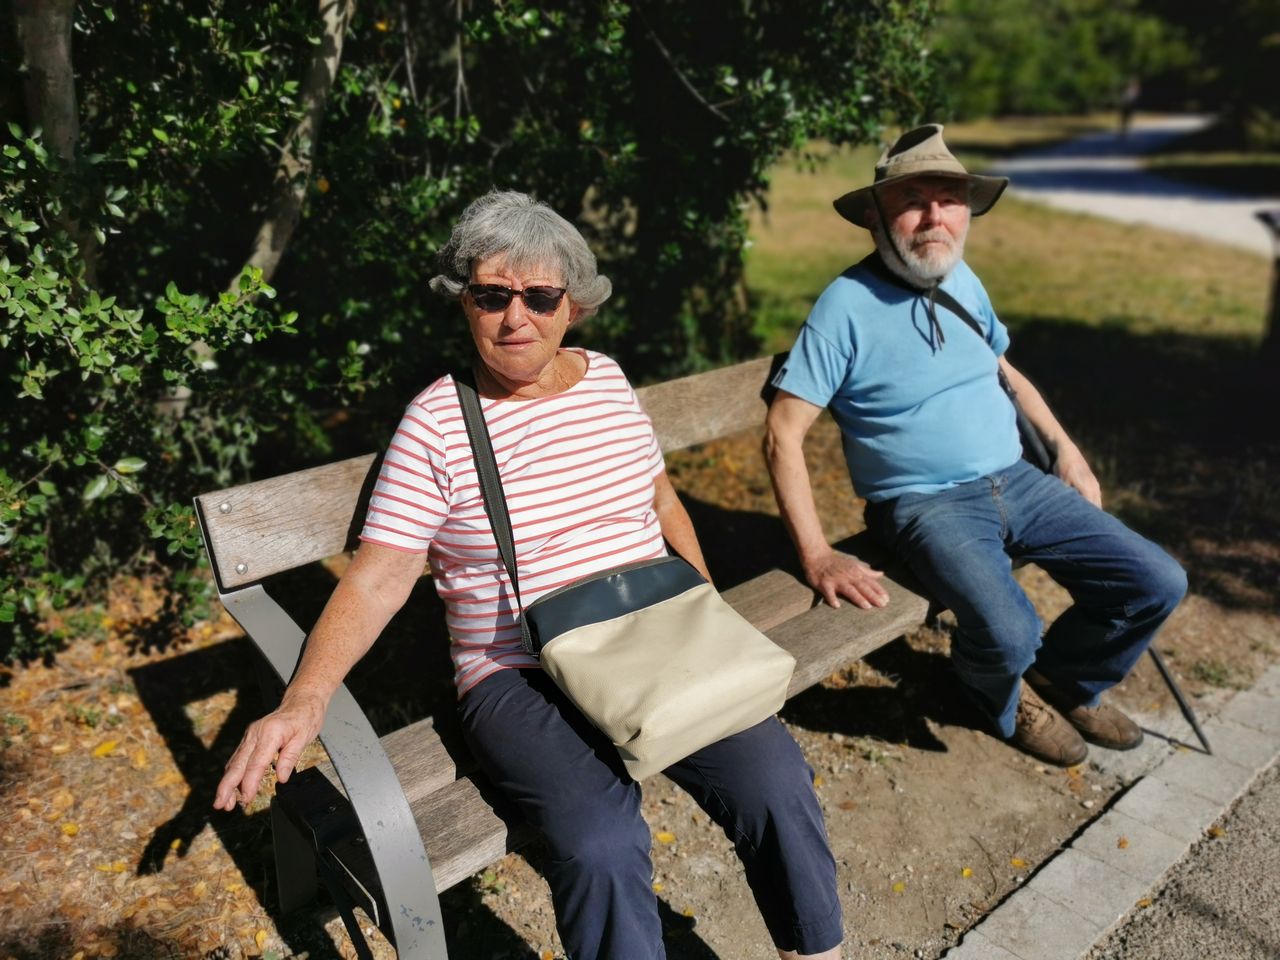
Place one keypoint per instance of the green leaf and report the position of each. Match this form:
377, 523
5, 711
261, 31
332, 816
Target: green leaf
159, 134
126, 465
47, 488
252, 84
96, 487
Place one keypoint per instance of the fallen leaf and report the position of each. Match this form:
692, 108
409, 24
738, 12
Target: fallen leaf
1017, 862
175, 843
71, 829
818, 781
847, 805
1122, 843
546, 955
117, 867
60, 748
899, 887
200, 889
1144, 902
139, 758
106, 748
260, 938
1216, 832
663, 836
687, 912
966, 872
657, 888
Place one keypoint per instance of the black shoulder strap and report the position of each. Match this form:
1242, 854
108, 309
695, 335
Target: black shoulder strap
495, 501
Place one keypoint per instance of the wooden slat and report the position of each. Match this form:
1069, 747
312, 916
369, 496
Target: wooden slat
462, 833
825, 638
259, 529
707, 406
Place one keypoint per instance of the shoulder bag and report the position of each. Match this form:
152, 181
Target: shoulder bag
649, 652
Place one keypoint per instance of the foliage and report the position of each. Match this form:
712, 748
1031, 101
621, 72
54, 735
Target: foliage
165, 369
1237, 46
1048, 56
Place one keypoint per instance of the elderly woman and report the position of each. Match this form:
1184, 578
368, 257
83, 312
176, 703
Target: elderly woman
587, 490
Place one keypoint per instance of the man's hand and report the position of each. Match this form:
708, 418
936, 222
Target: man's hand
1071, 468
836, 575
286, 731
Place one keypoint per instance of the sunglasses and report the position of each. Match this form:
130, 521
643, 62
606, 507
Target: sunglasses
493, 298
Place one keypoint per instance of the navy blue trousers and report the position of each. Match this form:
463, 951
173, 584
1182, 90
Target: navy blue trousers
568, 781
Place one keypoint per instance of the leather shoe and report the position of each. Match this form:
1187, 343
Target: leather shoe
1041, 732
1102, 725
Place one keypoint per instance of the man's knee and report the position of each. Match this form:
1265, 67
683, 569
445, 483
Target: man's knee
1163, 583
1004, 646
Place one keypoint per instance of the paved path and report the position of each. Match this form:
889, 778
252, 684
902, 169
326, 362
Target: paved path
1155, 849
1102, 175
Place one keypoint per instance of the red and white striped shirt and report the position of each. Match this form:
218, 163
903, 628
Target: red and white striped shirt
577, 468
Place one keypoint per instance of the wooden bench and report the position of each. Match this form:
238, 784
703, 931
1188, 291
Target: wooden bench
390, 822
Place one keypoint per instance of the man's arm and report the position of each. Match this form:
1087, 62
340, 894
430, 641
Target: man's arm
372, 589
677, 528
831, 573
1069, 464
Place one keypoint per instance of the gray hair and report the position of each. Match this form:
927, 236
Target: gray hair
527, 234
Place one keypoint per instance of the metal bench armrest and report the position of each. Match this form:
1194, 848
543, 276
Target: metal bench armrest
368, 778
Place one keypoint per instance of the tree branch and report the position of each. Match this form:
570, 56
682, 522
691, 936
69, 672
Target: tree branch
297, 156
688, 85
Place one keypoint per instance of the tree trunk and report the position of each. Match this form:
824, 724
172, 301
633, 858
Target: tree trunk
43, 29
297, 156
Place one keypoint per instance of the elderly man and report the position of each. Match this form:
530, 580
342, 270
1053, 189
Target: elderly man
906, 351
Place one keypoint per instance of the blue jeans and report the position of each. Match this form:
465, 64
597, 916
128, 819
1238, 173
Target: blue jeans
960, 543
569, 782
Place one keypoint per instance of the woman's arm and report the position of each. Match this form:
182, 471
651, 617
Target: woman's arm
677, 528
373, 588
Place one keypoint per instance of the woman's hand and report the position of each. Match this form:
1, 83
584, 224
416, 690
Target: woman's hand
284, 731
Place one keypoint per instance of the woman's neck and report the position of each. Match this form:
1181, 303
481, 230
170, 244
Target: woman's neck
563, 372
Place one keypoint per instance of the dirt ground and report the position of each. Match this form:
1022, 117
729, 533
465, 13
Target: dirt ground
109, 847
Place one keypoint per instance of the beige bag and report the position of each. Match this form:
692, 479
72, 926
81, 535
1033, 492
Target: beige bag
649, 652
653, 656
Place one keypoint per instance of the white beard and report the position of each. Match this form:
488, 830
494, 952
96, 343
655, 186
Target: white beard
920, 268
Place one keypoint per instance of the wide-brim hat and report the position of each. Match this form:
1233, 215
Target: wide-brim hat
920, 153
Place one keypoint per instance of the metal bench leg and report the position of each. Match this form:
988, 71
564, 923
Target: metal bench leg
1178, 695
295, 862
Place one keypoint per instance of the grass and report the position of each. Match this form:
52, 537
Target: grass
1036, 263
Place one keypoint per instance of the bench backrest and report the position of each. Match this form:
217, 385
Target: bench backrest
259, 529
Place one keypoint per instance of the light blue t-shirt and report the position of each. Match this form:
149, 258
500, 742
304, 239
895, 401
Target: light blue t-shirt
918, 413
